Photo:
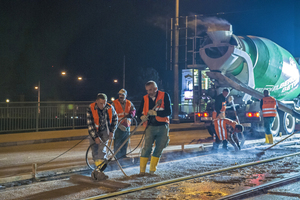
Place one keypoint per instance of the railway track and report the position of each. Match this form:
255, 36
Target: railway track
135, 193
264, 191
177, 174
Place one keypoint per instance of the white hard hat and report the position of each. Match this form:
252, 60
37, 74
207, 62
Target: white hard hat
123, 91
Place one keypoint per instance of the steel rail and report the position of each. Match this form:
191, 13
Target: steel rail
252, 191
188, 177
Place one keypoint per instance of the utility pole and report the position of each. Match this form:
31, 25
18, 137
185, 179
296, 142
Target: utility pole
176, 80
124, 72
38, 106
39, 97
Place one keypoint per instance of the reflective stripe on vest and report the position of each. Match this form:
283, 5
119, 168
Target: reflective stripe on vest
269, 107
160, 95
96, 115
121, 112
220, 127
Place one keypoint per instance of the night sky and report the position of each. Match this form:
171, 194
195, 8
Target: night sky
89, 38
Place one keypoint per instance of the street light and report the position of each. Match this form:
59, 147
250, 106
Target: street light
115, 80
63, 73
38, 88
7, 100
112, 99
79, 78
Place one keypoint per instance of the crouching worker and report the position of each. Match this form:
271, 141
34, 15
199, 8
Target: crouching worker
102, 122
157, 125
226, 129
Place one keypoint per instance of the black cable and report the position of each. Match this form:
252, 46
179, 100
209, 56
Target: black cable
136, 146
87, 151
53, 158
63, 152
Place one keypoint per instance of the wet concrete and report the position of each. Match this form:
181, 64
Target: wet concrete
208, 187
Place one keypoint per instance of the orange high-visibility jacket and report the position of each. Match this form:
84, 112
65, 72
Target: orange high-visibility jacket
96, 116
220, 127
122, 113
269, 107
160, 95
223, 109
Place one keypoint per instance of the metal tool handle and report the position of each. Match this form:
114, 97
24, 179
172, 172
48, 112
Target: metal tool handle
279, 142
156, 105
104, 165
237, 118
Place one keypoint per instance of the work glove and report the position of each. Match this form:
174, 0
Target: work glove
144, 118
230, 98
98, 140
152, 113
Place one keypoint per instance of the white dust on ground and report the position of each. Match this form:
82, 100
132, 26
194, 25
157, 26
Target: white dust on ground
202, 187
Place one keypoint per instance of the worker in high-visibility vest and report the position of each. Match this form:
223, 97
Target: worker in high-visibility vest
268, 106
102, 122
156, 123
124, 108
226, 129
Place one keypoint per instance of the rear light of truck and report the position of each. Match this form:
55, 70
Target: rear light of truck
252, 114
205, 114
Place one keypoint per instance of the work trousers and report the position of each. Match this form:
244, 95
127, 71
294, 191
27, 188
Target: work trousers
232, 139
212, 132
119, 138
268, 121
159, 135
217, 142
99, 150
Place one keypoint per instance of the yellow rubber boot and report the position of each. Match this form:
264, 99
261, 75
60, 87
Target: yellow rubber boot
143, 164
153, 164
267, 139
270, 137
98, 163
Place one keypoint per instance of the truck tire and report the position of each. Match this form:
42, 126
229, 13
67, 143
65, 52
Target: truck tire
275, 129
287, 123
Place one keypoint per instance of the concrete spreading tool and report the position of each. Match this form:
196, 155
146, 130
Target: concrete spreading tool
263, 151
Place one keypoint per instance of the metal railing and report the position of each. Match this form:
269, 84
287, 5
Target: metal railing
50, 115
33, 116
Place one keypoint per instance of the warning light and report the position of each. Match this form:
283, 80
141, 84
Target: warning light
205, 114
249, 114
199, 114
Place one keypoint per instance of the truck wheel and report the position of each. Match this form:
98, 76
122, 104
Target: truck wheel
276, 126
287, 123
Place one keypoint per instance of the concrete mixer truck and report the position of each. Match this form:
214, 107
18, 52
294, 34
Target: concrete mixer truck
248, 65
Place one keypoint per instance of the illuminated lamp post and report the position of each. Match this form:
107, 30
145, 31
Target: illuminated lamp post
7, 101
38, 88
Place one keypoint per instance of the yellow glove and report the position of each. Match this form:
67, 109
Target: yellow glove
152, 113
144, 118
